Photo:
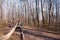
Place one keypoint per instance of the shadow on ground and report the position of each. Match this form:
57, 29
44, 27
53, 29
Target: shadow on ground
27, 31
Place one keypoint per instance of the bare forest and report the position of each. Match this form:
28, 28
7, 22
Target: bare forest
36, 16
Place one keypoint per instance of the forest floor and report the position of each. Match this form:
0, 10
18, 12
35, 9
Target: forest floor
35, 34
30, 33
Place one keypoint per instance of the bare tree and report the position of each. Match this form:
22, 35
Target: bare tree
42, 3
37, 12
1, 10
50, 5
57, 12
